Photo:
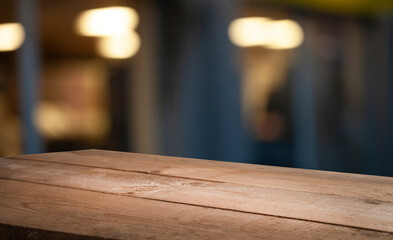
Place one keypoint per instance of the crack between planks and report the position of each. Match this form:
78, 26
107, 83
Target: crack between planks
118, 169
191, 178
203, 206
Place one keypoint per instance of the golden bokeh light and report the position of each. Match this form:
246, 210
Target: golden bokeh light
110, 21
260, 31
248, 32
119, 47
286, 34
12, 36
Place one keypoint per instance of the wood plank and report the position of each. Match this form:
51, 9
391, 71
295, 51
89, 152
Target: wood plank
121, 217
342, 184
356, 212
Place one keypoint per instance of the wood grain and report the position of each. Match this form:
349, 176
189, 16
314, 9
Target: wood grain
366, 213
342, 184
102, 215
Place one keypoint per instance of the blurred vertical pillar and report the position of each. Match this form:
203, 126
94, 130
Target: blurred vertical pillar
378, 129
384, 68
389, 40
234, 142
203, 115
353, 89
303, 104
29, 74
118, 90
372, 136
144, 109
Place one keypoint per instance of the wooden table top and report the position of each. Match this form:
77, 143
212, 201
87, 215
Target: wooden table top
105, 194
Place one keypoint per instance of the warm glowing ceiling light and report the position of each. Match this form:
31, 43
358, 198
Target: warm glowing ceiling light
247, 32
285, 34
108, 21
12, 36
119, 47
259, 31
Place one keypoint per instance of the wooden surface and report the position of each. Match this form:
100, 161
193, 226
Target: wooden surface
105, 194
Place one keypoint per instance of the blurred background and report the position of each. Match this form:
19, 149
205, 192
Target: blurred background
296, 83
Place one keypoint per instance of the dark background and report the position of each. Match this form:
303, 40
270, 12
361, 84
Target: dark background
327, 104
